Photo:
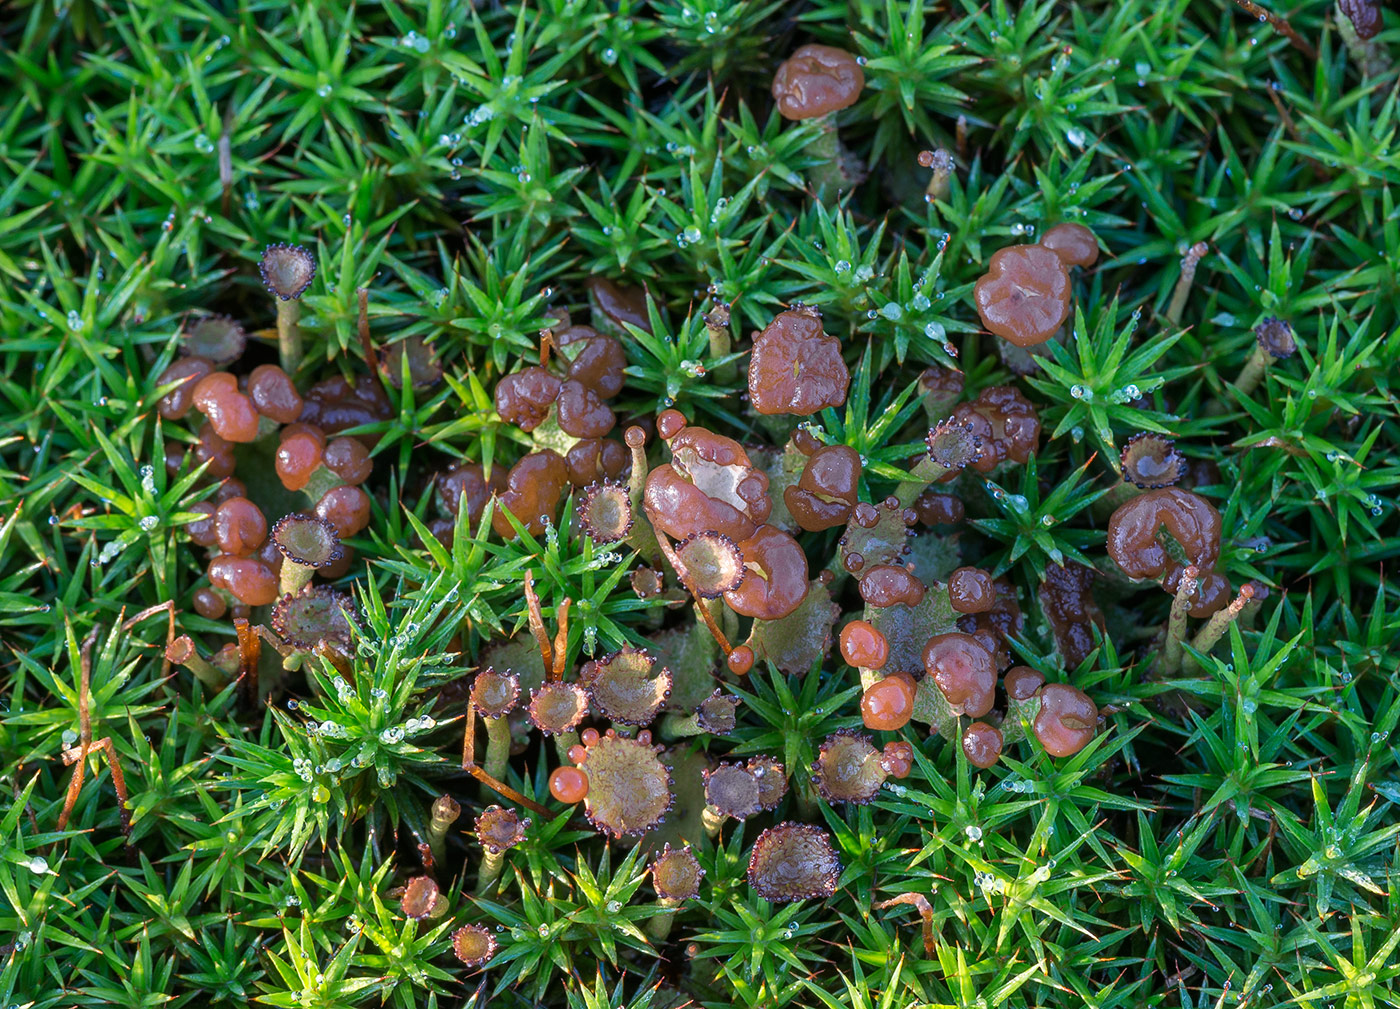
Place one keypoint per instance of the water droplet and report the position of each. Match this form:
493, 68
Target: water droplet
973, 832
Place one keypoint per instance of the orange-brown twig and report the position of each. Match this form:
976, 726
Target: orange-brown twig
470, 766
1280, 25
86, 745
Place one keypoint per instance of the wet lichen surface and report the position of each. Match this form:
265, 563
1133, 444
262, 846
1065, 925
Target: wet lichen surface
595, 504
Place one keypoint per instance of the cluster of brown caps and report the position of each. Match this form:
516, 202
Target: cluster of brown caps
261, 417
1024, 297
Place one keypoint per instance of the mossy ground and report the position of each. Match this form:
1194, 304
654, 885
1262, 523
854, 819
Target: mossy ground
1230, 839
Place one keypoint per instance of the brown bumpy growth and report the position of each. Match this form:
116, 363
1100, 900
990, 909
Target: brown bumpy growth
676, 873
776, 580
287, 271
605, 511
188, 371
495, 694
796, 368
316, 615
1134, 542
732, 790
558, 707
889, 703
623, 306
1364, 15
622, 688
793, 861
1073, 243
863, 645
964, 671
827, 490
710, 484
1070, 610
981, 744
891, 584
498, 828
523, 398
713, 562
533, 490
1024, 296
473, 945
1004, 423
971, 590
1066, 721
231, 414
816, 81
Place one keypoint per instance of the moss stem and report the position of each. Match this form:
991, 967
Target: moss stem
1220, 621
1253, 371
563, 743
491, 864
497, 746
920, 478
1176, 622
827, 176
717, 325
1189, 262
289, 348
294, 576
658, 926
446, 810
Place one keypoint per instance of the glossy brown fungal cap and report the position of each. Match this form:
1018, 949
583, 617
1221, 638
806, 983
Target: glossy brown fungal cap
629, 789
733, 790
534, 487
335, 404
888, 584
1073, 243
1069, 607
888, 704
216, 338
605, 510
187, 371
1022, 682
231, 413
716, 713
498, 828
964, 670
864, 646
558, 707
776, 580
307, 540
676, 873
1005, 424
713, 561
274, 395
971, 590
897, 758
420, 897
1134, 540
1066, 721
623, 689
981, 744
794, 861
287, 270
1024, 295
816, 81
347, 509
300, 452
827, 490
524, 397
953, 444
595, 459
473, 945
848, 769
582, 412
239, 526
624, 306
316, 614
1150, 461
1364, 15
935, 509
1275, 336
251, 581
495, 694
468, 480
796, 368
598, 363
710, 484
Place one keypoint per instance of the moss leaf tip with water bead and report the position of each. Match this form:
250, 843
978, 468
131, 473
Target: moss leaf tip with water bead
676, 873
605, 511
473, 945
499, 828
307, 540
794, 861
287, 270
495, 694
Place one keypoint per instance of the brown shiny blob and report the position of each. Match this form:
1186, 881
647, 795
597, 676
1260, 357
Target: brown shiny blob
348, 459
594, 459
1150, 461
466, 480
817, 80
1069, 607
981, 744
274, 395
1364, 15
347, 508
335, 404
215, 451
935, 509
863, 645
523, 398
964, 670
582, 412
1066, 721
669, 424
534, 487
251, 581
188, 371
888, 584
622, 305
1276, 338
740, 660
299, 455
826, 492
898, 758
1004, 422
709, 484
796, 368
230, 413
940, 388
1024, 296
568, 785
240, 527
202, 531
889, 704
1135, 545
1022, 682
776, 582
996, 626
1073, 243
599, 365
209, 604
971, 590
